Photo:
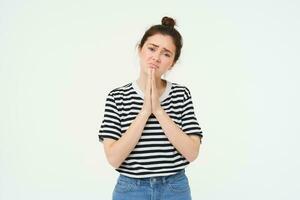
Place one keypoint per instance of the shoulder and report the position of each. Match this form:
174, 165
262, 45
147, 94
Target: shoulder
181, 89
121, 90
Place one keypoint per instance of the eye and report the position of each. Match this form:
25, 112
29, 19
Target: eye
168, 55
151, 49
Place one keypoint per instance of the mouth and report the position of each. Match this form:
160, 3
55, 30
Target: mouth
153, 66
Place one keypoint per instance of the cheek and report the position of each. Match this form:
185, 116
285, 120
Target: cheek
147, 56
167, 61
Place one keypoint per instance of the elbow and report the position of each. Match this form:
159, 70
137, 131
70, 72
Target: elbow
114, 165
111, 157
193, 156
114, 162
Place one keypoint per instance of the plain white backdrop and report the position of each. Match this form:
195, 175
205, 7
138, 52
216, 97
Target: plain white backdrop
59, 59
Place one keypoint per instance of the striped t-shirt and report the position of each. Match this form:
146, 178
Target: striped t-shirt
153, 155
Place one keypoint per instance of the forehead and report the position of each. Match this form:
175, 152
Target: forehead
163, 41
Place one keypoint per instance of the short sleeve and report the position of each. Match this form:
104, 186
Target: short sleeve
190, 123
111, 123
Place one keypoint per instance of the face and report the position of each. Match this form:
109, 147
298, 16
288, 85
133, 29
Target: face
158, 52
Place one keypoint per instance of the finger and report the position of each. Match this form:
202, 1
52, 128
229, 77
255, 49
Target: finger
148, 85
151, 75
153, 80
150, 82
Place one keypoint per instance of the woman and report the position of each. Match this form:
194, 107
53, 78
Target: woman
150, 132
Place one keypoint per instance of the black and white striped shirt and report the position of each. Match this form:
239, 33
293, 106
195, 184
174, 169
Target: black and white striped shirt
153, 155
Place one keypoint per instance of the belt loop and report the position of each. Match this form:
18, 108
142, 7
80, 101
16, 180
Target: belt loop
138, 182
164, 179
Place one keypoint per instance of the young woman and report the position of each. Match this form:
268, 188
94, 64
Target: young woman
149, 131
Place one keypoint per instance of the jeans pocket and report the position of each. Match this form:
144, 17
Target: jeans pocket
122, 186
179, 185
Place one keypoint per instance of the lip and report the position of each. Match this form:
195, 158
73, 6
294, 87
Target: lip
153, 65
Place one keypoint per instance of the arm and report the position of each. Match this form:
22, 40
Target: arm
187, 145
117, 151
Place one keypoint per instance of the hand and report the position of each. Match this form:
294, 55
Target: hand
147, 108
155, 102
151, 98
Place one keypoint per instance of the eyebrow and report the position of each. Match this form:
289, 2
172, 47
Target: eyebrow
163, 48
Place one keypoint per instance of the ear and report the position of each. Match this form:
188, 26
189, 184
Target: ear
139, 50
171, 66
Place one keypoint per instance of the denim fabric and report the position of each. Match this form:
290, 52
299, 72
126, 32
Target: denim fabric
174, 187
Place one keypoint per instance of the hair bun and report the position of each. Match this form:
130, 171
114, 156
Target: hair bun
167, 21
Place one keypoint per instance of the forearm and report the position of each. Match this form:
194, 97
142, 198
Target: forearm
120, 149
181, 141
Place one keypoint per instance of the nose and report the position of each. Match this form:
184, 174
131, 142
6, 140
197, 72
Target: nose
156, 57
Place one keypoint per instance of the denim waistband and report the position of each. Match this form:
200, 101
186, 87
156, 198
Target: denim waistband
150, 180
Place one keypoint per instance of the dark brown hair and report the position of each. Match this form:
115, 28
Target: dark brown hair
165, 28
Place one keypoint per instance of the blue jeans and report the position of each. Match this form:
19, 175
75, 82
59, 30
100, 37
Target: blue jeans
174, 187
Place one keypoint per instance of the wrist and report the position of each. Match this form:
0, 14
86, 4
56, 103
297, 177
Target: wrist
158, 111
145, 112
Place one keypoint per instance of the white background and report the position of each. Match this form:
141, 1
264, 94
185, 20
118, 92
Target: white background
58, 60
